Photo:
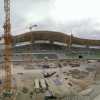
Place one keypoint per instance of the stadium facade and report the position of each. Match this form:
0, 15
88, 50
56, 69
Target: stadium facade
55, 42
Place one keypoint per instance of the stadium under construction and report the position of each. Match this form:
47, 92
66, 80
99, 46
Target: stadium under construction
61, 68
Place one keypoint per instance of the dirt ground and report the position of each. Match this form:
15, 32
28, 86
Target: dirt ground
24, 77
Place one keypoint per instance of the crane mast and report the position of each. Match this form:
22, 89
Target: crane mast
8, 47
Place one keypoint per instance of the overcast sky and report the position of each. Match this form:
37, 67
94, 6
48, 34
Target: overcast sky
81, 17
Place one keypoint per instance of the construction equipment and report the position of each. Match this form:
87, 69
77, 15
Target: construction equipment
7, 51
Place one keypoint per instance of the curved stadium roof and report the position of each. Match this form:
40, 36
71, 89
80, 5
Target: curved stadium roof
55, 37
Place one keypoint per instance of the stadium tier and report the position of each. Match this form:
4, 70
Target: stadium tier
54, 37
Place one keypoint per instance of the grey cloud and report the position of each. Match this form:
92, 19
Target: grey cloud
85, 28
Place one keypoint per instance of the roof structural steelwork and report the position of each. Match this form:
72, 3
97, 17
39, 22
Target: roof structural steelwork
54, 37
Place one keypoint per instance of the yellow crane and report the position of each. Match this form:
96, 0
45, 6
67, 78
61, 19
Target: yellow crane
7, 51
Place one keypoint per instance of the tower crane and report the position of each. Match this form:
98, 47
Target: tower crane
8, 49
